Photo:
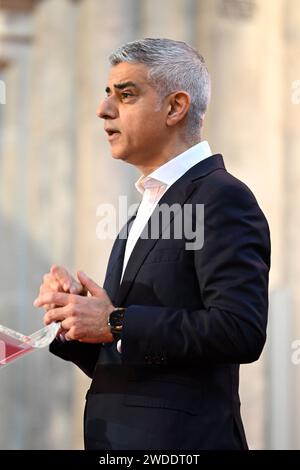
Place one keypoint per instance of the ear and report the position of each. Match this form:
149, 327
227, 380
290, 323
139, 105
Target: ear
178, 106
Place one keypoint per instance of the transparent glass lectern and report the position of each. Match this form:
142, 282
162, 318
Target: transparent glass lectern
14, 345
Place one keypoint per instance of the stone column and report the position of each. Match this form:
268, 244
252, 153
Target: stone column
242, 43
292, 191
15, 49
52, 185
174, 19
37, 187
101, 27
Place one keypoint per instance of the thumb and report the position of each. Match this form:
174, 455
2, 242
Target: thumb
91, 286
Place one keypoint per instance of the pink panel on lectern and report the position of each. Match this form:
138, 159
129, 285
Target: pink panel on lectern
14, 345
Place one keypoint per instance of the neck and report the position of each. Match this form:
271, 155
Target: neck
166, 154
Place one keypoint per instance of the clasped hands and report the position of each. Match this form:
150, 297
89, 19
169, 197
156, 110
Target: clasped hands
82, 308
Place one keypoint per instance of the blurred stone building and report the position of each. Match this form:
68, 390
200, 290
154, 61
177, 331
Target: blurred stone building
55, 169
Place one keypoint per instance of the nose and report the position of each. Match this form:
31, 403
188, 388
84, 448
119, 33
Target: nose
106, 109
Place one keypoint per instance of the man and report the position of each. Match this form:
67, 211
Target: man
164, 339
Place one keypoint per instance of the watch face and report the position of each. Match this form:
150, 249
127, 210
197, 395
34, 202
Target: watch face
116, 323
116, 318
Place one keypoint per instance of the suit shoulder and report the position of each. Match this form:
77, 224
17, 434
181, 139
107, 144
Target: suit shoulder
220, 188
221, 183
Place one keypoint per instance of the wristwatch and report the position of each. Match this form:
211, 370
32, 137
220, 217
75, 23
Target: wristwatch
115, 322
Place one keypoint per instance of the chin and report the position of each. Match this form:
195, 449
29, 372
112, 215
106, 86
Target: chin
116, 156
119, 156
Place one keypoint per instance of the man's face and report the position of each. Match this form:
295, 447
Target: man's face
135, 120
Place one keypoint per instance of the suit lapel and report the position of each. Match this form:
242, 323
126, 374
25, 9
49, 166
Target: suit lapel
115, 263
177, 194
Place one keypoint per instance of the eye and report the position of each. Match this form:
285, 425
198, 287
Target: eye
125, 94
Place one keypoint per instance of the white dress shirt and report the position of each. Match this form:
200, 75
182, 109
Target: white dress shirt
153, 186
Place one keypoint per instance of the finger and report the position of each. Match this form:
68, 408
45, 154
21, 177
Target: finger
69, 336
57, 298
58, 314
67, 324
48, 307
61, 330
66, 281
62, 276
44, 289
61, 333
89, 284
77, 288
50, 282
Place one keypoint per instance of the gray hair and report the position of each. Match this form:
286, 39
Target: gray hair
173, 65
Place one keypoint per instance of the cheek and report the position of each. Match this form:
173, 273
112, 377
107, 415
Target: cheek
151, 124
133, 129
141, 126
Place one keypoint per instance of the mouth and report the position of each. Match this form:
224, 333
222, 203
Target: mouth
112, 133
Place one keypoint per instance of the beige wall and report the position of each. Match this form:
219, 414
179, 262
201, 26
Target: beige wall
55, 168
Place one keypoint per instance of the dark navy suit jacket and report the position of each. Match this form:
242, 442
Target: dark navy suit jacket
192, 317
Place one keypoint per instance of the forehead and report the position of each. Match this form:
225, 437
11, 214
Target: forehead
125, 72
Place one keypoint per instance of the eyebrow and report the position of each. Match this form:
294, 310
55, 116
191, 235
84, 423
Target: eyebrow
121, 86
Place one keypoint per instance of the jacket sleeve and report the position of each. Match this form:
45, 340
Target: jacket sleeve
232, 272
84, 355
